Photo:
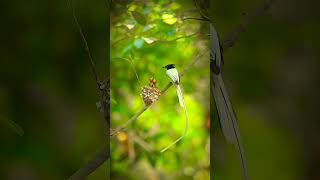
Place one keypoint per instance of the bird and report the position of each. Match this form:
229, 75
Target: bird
226, 113
173, 74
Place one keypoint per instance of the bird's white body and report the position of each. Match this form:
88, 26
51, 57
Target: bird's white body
174, 76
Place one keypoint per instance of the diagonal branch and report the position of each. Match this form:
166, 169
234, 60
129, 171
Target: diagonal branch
91, 165
144, 108
193, 18
103, 87
181, 37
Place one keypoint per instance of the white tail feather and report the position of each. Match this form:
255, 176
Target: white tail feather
228, 119
179, 92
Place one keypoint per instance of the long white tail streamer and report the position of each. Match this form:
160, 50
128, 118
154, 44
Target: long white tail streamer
179, 93
181, 100
227, 116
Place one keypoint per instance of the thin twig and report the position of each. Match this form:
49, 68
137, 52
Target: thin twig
200, 11
192, 18
175, 39
85, 43
103, 88
137, 139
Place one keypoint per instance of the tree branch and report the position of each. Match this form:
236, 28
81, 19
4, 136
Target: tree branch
85, 43
144, 108
91, 165
192, 18
103, 88
175, 39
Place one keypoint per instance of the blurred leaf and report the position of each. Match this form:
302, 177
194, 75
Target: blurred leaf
149, 40
129, 26
132, 7
140, 18
169, 18
138, 43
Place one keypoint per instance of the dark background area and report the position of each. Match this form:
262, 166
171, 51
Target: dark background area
272, 74
47, 88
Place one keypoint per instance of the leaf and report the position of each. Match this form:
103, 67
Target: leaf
169, 18
139, 17
138, 43
132, 7
149, 40
13, 125
129, 26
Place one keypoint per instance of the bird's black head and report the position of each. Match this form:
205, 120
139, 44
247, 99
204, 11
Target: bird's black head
169, 66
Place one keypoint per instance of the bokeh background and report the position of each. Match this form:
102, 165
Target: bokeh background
272, 74
47, 88
144, 37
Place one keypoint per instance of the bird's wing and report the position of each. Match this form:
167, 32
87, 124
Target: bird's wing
215, 51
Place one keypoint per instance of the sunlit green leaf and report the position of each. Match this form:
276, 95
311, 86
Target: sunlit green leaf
132, 7
169, 18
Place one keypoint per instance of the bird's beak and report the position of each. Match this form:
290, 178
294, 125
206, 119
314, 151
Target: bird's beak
163, 67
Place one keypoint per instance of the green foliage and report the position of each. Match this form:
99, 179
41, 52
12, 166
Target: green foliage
144, 38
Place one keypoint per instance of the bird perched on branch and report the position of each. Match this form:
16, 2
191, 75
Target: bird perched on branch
227, 116
172, 72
